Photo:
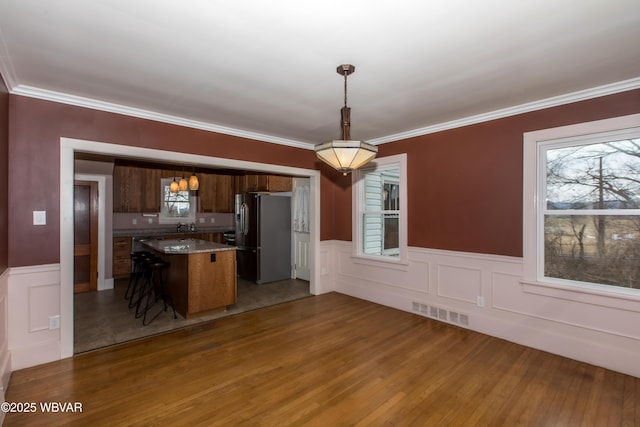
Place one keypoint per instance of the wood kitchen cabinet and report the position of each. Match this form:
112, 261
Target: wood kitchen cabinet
201, 277
151, 199
121, 257
136, 189
127, 188
271, 183
215, 193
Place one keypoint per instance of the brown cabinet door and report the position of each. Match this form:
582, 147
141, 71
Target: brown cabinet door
224, 193
212, 280
280, 183
207, 192
121, 256
151, 194
128, 183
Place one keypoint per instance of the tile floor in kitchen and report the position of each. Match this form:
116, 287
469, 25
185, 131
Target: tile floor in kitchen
103, 318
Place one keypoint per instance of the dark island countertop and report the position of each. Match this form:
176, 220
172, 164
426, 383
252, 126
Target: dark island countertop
140, 232
186, 246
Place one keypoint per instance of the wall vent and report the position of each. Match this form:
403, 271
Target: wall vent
434, 312
464, 319
440, 313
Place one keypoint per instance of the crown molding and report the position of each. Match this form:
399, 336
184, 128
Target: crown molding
7, 73
48, 95
94, 104
555, 101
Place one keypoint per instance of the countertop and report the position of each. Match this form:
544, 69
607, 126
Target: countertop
186, 246
138, 232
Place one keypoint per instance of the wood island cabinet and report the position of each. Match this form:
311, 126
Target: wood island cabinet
200, 276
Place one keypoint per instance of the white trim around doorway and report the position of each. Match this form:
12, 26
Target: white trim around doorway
69, 146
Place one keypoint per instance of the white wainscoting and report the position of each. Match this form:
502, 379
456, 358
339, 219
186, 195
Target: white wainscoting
484, 293
480, 292
34, 293
5, 354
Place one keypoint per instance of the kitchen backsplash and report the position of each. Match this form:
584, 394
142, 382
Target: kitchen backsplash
129, 221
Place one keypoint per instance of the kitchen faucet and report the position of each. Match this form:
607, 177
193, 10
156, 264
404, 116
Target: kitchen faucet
185, 227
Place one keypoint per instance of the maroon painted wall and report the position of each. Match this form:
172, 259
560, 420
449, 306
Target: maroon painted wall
465, 184
4, 167
34, 140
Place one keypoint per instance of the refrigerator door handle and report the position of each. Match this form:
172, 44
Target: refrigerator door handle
245, 222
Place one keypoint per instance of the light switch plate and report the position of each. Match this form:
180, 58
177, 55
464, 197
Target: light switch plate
39, 217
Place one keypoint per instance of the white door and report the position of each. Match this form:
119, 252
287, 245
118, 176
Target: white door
301, 236
301, 244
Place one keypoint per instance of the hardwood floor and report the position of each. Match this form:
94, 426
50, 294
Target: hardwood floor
329, 360
103, 318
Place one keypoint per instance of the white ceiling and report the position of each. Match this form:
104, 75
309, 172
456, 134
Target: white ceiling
266, 70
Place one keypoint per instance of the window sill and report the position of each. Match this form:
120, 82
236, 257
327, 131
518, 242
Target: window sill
374, 261
619, 298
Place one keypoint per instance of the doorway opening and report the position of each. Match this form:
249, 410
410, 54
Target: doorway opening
68, 149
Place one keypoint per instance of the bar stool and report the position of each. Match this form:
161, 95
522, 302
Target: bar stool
137, 259
154, 291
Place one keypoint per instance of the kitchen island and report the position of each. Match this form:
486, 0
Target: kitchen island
201, 275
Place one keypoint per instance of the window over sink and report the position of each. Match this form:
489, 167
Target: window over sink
176, 207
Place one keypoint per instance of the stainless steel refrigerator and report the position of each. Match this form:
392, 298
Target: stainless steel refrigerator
263, 237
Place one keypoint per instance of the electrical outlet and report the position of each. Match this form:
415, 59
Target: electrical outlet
134, 221
150, 220
213, 220
201, 220
54, 322
480, 301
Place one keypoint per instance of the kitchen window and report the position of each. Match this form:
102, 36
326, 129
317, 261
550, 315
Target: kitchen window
176, 207
380, 209
582, 206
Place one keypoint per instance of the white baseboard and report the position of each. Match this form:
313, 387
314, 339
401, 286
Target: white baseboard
486, 291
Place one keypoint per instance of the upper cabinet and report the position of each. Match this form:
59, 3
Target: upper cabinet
215, 193
127, 189
270, 183
137, 188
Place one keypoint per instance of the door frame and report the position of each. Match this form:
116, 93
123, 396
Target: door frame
68, 147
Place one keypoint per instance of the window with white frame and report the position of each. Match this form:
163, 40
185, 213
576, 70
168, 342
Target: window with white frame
586, 205
380, 209
176, 207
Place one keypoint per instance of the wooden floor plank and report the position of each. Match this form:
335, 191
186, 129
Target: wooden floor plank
325, 360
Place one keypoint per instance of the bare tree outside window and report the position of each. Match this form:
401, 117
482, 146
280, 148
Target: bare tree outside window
592, 213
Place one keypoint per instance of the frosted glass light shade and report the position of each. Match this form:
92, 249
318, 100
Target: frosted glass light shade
183, 185
193, 183
173, 187
346, 156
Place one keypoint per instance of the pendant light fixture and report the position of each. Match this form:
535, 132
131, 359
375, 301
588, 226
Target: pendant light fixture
183, 185
345, 155
194, 184
174, 187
